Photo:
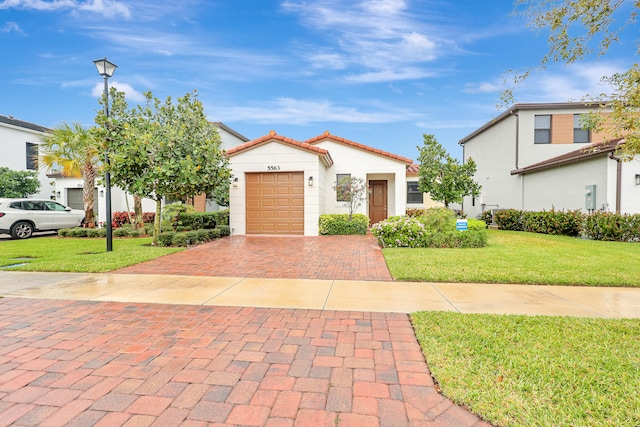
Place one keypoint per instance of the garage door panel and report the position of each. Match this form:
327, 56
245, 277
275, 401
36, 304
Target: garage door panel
275, 203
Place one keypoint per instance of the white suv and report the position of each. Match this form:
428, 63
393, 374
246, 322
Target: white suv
21, 217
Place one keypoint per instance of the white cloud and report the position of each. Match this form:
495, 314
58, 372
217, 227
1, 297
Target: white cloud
379, 35
305, 111
107, 8
12, 27
483, 87
130, 93
568, 83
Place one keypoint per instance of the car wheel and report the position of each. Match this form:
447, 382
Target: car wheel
21, 230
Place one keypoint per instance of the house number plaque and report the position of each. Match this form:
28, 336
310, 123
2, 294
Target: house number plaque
273, 168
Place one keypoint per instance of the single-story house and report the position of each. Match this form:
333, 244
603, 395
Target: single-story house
282, 186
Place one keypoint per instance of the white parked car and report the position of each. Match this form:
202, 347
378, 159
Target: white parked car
21, 217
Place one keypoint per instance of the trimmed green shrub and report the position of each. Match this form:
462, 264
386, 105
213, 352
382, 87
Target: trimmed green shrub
179, 239
435, 229
553, 222
96, 232
486, 216
612, 226
508, 219
213, 234
201, 220
225, 230
339, 224
78, 232
166, 238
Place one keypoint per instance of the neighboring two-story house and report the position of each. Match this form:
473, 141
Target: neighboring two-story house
538, 157
19, 142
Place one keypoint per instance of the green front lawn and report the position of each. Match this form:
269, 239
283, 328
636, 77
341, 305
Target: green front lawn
520, 257
522, 371
76, 255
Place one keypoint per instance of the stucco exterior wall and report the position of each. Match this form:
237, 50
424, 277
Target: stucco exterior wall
13, 146
542, 192
367, 166
494, 152
630, 200
277, 157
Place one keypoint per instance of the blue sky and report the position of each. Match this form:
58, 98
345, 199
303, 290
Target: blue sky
379, 72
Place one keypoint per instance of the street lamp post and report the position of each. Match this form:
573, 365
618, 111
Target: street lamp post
106, 70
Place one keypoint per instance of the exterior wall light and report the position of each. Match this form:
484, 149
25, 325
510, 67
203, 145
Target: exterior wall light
235, 182
637, 179
310, 181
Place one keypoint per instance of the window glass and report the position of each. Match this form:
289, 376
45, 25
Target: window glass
32, 156
339, 177
580, 135
413, 194
542, 132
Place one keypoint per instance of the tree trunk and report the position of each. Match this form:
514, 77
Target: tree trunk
156, 222
137, 209
88, 196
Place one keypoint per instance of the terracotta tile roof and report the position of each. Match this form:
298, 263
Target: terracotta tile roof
327, 136
272, 136
591, 150
413, 170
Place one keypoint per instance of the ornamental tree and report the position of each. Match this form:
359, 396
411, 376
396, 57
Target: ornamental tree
18, 184
164, 150
444, 177
581, 28
353, 191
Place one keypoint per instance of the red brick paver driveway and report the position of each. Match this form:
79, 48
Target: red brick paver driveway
112, 364
283, 257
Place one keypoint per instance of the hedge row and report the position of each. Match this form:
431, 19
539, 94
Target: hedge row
340, 224
187, 238
597, 226
435, 228
124, 231
201, 220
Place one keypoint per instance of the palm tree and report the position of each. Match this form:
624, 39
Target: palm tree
73, 151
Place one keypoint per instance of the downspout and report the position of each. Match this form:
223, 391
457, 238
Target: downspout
618, 180
517, 137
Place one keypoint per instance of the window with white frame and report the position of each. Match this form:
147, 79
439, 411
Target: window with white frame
339, 194
414, 195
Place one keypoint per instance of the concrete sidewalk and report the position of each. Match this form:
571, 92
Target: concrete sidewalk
368, 296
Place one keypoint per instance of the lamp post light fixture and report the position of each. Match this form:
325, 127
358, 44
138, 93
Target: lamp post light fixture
106, 70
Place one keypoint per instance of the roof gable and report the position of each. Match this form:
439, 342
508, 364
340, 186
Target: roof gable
327, 136
272, 136
591, 150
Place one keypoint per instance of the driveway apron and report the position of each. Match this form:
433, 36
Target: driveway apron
81, 363
294, 257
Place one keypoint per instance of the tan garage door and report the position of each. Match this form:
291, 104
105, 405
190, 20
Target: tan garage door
275, 203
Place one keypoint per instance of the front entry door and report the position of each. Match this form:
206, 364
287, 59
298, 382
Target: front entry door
378, 201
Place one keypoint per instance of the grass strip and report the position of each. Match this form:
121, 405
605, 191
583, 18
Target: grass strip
520, 257
536, 370
76, 255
